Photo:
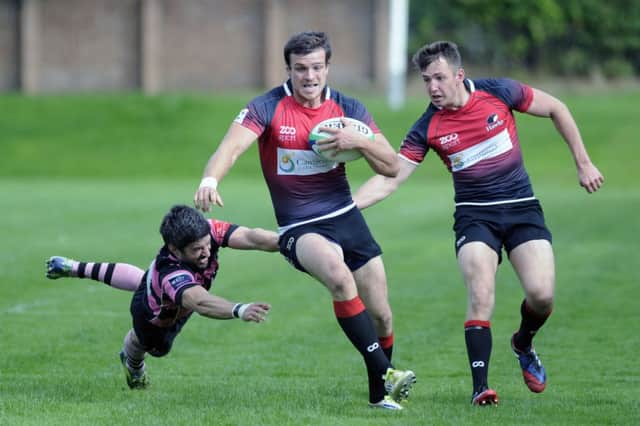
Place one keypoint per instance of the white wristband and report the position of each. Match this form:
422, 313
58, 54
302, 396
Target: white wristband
243, 308
209, 182
238, 309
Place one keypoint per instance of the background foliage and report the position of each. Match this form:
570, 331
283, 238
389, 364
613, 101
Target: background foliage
584, 38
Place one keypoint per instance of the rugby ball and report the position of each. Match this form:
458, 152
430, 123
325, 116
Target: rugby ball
336, 123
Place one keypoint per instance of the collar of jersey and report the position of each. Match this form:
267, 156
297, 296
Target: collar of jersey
289, 90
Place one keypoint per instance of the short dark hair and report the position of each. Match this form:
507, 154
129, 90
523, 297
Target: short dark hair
305, 43
429, 53
183, 225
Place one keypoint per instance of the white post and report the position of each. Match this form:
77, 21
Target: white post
398, 35
151, 29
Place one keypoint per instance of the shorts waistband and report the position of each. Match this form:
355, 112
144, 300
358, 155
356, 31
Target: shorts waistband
495, 203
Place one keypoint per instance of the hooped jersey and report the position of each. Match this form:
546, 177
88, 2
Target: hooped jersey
478, 143
167, 278
303, 185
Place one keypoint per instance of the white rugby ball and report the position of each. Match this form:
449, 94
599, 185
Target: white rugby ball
336, 123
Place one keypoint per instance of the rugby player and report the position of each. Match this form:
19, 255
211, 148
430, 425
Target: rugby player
321, 231
176, 284
470, 125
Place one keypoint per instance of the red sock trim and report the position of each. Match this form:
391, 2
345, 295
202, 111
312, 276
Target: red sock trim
477, 323
348, 308
386, 341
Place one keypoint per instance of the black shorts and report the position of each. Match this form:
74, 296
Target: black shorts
503, 225
349, 231
157, 341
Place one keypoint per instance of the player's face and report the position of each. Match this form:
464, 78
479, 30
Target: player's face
308, 74
444, 84
197, 253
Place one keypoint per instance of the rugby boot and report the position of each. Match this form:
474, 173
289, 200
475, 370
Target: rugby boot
535, 377
58, 267
398, 383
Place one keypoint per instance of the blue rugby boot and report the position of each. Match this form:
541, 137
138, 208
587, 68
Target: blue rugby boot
535, 377
58, 267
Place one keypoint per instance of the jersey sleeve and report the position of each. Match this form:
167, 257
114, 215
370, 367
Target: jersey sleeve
414, 147
258, 113
356, 109
176, 282
221, 231
516, 95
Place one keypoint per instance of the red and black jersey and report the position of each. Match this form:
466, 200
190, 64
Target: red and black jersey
478, 143
304, 186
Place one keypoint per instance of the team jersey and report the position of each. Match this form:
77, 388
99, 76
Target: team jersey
167, 278
478, 143
304, 186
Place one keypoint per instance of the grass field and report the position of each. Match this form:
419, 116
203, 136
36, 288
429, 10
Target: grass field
59, 339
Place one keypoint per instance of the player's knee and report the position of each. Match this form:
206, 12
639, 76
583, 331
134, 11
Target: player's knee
541, 301
340, 289
340, 281
383, 321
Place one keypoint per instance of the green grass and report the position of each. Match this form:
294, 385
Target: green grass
59, 339
172, 136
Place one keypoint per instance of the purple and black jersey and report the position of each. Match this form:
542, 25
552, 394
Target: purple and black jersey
304, 186
478, 143
167, 278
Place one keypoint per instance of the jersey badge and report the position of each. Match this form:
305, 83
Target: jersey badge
177, 280
493, 121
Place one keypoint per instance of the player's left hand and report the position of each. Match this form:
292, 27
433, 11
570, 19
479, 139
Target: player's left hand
256, 312
590, 177
342, 139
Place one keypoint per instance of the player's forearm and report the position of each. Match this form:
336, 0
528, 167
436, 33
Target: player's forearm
214, 307
381, 157
219, 165
374, 190
244, 238
568, 129
261, 239
198, 299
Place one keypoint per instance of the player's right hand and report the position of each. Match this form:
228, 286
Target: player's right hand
206, 196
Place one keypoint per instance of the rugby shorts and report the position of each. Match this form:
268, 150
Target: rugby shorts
157, 341
502, 225
349, 231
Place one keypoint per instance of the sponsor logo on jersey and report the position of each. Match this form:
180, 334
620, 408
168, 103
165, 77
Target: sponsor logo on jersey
241, 115
177, 280
493, 121
287, 134
449, 140
490, 148
302, 162
285, 163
